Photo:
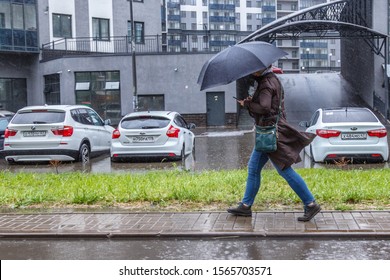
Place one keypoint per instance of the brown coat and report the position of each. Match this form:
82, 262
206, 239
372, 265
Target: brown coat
264, 108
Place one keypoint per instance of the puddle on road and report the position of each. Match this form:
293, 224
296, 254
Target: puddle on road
215, 150
195, 249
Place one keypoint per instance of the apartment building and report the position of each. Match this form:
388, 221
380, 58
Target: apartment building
220, 23
80, 52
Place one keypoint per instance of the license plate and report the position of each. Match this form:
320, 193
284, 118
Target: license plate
354, 136
37, 133
143, 139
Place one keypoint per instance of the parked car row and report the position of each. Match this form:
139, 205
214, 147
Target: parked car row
77, 133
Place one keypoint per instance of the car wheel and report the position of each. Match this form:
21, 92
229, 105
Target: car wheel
84, 153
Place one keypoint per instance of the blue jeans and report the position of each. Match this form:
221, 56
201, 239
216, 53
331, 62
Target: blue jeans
256, 164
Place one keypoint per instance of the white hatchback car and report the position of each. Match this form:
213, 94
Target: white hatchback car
56, 132
154, 134
349, 133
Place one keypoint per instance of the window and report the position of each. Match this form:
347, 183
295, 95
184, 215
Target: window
13, 94
151, 102
139, 31
193, 14
101, 29
62, 26
2, 20
17, 16
101, 91
294, 54
52, 89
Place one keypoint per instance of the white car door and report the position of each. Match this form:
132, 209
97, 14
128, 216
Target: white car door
102, 131
187, 134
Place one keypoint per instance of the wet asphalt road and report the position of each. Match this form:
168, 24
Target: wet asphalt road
195, 249
223, 148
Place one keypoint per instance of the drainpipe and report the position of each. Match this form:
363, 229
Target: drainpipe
386, 81
133, 63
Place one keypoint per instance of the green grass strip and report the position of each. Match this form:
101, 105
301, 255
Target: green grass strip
335, 189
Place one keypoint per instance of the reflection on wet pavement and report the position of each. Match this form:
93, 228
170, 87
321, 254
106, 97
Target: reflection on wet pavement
215, 150
195, 249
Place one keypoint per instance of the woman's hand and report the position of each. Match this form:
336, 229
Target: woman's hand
242, 102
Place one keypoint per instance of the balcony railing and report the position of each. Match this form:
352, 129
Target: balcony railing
159, 44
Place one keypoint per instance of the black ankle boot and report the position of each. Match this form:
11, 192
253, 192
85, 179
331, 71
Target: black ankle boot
241, 210
310, 212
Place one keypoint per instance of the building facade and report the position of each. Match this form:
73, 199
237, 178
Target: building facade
80, 52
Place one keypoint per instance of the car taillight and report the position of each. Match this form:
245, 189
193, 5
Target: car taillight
377, 132
9, 133
327, 133
116, 134
66, 131
173, 132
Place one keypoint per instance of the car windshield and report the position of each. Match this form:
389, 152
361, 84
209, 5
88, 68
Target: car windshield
39, 117
145, 122
337, 116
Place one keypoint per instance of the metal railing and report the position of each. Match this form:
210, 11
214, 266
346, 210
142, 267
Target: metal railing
179, 43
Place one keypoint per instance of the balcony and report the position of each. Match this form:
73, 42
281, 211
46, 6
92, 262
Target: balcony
221, 19
19, 40
121, 45
222, 7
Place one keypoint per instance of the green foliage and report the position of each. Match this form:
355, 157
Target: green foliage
335, 189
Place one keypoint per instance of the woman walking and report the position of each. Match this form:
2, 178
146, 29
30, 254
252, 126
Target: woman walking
264, 106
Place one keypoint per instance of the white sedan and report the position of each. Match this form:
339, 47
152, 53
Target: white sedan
354, 134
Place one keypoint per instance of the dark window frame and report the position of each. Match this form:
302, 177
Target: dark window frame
139, 38
100, 21
62, 30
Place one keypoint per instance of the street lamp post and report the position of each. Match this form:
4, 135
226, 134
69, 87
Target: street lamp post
133, 59
330, 62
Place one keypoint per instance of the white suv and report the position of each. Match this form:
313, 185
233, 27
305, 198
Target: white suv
56, 132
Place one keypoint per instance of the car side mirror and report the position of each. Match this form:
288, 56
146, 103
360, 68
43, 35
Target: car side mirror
107, 122
191, 126
304, 124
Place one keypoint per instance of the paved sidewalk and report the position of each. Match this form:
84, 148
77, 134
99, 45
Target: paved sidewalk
197, 224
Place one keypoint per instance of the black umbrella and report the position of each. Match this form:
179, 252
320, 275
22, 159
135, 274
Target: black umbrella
236, 62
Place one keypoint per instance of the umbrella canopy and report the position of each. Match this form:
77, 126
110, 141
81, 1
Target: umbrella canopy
236, 62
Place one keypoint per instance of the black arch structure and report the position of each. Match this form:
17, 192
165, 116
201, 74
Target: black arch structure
335, 20
338, 19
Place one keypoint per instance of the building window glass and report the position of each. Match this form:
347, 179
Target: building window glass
30, 17
62, 26
52, 89
139, 31
18, 24
13, 94
5, 14
151, 102
17, 16
101, 29
100, 91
